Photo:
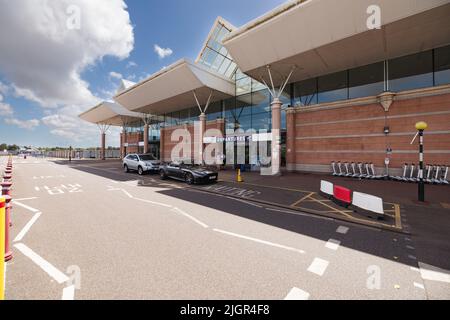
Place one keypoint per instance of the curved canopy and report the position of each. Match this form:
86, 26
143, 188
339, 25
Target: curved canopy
171, 89
110, 113
320, 40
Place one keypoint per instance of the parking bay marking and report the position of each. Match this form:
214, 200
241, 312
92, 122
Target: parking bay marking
272, 244
27, 227
297, 294
42, 263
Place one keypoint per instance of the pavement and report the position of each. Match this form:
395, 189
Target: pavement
87, 230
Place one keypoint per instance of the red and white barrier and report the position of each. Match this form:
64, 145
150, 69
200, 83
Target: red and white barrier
368, 202
327, 188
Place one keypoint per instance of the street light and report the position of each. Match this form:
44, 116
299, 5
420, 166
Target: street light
421, 127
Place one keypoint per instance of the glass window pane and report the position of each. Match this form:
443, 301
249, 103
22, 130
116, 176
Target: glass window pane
261, 101
262, 121
243, 85
333, 87
442, 65
305, 92
243, 105
223, 68
366, 81
231, 70
217, 62
411, 72
214, 111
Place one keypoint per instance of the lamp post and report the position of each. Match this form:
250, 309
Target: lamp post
421, 126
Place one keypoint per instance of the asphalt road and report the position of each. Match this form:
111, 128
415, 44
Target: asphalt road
90, 231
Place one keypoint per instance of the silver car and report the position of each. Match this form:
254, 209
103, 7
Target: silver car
142, 163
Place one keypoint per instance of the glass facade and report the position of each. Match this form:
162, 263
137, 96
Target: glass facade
215, 56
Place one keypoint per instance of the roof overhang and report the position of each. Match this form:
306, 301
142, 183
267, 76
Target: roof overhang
110, 113
171, 89
323, 36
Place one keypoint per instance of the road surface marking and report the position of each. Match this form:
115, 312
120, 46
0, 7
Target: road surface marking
318, 266
432, 273
36, 188
297, 294
246, 202
259, 241
27, 227
190, 217
333, 244
419, 285
155, 203
127, 193
25, 206
26, 199
410, 247
68, 293
300, 214
342, 230
415, 269
42, 263
302, 199
412, 257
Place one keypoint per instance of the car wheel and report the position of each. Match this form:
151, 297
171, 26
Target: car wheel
189, 178
162, 175
140, 171
125, 168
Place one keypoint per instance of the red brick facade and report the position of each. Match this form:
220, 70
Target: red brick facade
353, 131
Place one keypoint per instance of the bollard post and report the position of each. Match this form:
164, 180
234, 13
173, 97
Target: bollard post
8, 253
6, 188
239, 176
421, 126
2, 247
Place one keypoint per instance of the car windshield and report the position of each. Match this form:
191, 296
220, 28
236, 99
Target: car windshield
147, 157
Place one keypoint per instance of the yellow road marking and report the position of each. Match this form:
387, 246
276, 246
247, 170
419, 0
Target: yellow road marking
302, 199
398, 218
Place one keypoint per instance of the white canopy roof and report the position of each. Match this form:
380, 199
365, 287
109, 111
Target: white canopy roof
110, 113
171, 89
324, 36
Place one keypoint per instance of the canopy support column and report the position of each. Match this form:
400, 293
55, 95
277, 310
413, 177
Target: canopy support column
199, 149
103, 129
276, 119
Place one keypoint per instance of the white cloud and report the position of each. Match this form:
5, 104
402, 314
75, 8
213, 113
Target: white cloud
24, 124
5, 109
115, 75
132, 64
162, 52
43, 59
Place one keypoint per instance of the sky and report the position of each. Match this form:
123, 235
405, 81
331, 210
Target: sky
59, 58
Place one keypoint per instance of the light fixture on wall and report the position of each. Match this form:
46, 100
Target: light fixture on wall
387, 130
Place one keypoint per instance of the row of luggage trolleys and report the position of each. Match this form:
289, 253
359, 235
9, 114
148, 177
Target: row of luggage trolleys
433, 174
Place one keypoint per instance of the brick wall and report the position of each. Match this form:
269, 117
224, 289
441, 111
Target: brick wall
354, 133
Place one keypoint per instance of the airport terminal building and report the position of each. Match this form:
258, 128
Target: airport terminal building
315, 73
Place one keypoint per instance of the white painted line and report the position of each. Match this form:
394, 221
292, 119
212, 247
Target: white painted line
27, 227
246, 202
318, 266
333, 244
407, 239
412, 257
190, 217
415, 269
432, 273
155, 203
127, 193
297, 294
260, 241
43, 264
36, 188
25, 206
342, 230
300, 214
410, 247
26, 199
68, 293
419, 285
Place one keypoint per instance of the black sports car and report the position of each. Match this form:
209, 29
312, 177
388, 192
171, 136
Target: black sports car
191, 174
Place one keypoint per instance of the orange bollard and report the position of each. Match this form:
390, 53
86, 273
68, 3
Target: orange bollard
6, 188
8, 206
2, 248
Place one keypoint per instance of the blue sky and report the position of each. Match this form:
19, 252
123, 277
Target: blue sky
179, 25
